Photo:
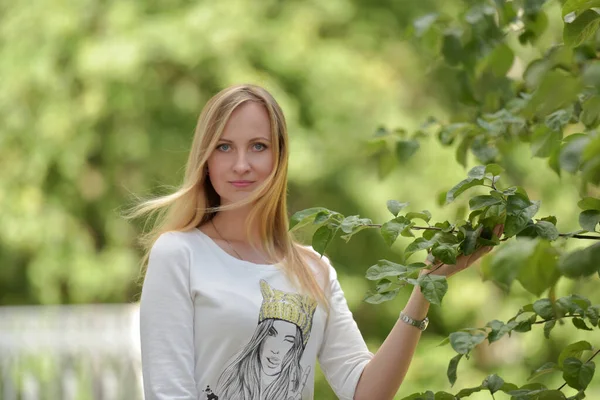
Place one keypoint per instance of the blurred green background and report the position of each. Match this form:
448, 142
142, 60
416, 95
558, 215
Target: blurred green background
99, 101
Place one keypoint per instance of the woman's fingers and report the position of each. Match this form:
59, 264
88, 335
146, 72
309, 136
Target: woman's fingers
499, 229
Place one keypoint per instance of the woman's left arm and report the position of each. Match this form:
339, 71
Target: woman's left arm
383, 375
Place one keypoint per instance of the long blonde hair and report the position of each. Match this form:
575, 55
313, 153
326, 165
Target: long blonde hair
196, 202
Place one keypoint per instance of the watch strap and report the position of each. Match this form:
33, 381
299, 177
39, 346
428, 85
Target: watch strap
422, 325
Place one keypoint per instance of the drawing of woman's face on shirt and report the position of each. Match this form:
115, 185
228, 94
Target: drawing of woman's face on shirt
279, 341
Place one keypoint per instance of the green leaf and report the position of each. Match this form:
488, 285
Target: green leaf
446, 253
574, 304
557, 89
464, 342
554, 162
580, 263
544, 141
452, 367
462, 150
466, 392
386, 162
433, 287
582, 28
544, 369
578, 6
418, 244
383, 286
559, 119
461, 187
519, 211
588, 220
499, 329
543, 308
579, 396
591, 112
493, 383
574, 350
444, 396
425, 215
551, 395
580, 324
352, 224
452, 49
548, 326
391, 229
493, 169
383, 269
570, 152
546, 230
589, 203
499, 60
525, 325
478, 202
505, 263
305, 217
379, 298
577, 374
321, 239
593, 314
406, 149
471, 235
540, 270
420, 396
394, 206
483, 149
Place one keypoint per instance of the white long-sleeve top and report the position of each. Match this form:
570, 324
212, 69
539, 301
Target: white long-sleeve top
217, 327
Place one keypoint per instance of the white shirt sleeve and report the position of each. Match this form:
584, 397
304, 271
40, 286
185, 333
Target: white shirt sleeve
343, 354
167, 323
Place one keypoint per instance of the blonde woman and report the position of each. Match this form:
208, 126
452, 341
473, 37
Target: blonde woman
232, 308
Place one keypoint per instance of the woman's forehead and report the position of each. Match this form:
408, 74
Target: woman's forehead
284, 326
250, 120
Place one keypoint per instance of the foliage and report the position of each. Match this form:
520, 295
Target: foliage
554, 107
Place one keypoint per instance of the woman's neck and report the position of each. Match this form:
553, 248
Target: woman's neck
231, 224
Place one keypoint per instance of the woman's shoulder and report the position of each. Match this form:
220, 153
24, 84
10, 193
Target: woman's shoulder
174, 242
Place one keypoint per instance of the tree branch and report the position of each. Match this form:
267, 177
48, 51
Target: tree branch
589, 359
434, 228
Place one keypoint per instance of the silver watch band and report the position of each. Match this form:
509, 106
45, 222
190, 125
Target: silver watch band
422, 325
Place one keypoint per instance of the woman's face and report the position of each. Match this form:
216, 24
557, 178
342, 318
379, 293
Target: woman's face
280, 339
243, 158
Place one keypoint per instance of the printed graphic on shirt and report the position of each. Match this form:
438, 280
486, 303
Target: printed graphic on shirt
268, 367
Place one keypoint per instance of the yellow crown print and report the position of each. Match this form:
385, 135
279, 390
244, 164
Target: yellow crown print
291, 307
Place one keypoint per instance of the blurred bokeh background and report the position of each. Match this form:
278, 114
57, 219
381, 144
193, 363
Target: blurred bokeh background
98, 103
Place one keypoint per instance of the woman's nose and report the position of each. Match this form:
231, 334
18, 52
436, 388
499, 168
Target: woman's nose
241, 163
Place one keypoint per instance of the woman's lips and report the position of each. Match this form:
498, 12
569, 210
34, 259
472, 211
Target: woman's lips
273, 361
240, 184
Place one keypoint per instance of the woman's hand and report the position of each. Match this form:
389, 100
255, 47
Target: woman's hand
462, 261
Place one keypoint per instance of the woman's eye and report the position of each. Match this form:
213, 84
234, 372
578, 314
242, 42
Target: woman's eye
259, 146
223, 147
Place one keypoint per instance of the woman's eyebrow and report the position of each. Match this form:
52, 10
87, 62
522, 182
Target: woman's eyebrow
255, 138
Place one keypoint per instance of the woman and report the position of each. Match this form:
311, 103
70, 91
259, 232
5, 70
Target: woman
221, 255
269, 365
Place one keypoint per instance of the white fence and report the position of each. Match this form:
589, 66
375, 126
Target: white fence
75, 352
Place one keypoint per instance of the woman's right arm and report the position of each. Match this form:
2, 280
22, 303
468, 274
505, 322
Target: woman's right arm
167, 323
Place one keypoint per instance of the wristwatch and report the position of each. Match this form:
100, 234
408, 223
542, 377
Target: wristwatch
422, 325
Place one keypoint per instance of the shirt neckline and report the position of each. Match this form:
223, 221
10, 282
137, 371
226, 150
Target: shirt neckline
231, 258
